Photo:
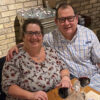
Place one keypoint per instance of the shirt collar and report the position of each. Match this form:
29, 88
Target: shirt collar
62, 38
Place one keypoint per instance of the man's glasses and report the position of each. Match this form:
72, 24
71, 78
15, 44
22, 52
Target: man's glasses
36, 33
69, 18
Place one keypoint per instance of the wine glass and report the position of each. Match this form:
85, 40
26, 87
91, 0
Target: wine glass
84, 81
63, 92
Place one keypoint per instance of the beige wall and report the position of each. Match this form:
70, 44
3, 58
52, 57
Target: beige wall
89, 8
9, 8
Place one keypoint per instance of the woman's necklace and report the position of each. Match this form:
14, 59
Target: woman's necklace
37, 57
41, 56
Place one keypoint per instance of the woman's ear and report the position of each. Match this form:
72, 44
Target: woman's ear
56, 21
23, 37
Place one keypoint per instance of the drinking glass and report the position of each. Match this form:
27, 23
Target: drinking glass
84, 81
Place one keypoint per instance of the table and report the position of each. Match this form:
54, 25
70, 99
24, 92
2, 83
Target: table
53, 94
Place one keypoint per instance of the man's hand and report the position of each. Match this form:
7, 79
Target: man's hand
10, 53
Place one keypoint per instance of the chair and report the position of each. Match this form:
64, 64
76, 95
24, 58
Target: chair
2, 94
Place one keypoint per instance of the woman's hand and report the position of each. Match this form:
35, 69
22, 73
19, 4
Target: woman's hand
10, 53
65, 79
65, 82
18, 92
40, 95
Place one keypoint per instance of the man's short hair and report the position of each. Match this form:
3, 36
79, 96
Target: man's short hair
62, 5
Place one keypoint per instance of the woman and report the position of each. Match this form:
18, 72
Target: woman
35, 69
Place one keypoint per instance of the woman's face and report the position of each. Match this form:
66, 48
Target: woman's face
33, 36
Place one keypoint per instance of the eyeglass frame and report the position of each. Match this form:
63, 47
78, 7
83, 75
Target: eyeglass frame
69, 19
36, 33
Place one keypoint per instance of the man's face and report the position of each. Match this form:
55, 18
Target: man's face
67, 22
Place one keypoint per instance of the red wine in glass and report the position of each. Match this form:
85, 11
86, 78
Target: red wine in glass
84, 81
63, 92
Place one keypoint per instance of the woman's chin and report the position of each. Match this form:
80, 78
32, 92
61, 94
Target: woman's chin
35, 45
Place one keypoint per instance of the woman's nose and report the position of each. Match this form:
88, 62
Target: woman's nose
33, 36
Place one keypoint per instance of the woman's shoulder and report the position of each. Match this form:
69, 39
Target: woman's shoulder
51, 52
19, 54
50, 49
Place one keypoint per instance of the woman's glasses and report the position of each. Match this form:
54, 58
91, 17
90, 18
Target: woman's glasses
69, 18
36, 33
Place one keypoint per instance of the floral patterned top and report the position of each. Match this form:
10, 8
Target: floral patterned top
32, 76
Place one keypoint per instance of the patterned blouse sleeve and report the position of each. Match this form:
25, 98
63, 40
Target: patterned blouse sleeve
62, 64
10, 75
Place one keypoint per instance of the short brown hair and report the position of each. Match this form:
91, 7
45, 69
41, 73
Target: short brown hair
62, 5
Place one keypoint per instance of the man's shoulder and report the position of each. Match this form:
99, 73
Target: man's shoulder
84, 29
85, 33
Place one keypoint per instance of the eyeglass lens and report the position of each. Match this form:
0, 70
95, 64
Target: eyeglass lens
37, 33
63, 19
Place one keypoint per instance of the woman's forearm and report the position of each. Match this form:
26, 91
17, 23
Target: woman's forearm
64, 72
18, 92
65, 79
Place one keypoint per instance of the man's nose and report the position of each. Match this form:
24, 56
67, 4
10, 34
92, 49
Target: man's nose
66, 21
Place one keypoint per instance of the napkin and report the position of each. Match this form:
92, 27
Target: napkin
92, 96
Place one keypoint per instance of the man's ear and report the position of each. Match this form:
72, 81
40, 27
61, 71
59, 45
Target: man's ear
77, 18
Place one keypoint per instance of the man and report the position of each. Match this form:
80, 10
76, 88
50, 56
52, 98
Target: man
77, 45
